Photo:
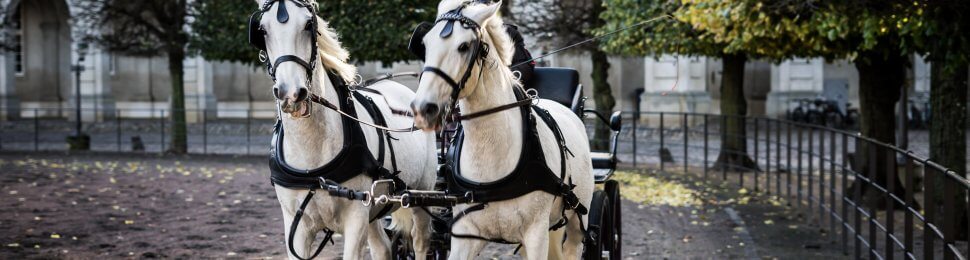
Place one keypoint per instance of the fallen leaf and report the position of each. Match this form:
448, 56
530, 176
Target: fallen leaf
55, 236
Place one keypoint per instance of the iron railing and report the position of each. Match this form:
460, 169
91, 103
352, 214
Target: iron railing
224, 131
814, 168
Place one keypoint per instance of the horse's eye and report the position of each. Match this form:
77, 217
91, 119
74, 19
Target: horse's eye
463, 47
308, 27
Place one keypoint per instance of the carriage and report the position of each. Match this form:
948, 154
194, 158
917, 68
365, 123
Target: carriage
605, 226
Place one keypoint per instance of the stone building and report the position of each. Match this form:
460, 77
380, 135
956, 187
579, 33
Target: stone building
36, 78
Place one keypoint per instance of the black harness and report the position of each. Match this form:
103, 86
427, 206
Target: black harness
530, 174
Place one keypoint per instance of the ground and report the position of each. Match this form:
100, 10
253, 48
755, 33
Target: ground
91, 206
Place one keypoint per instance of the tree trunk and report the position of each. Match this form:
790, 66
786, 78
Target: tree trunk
948, 140
603, 96
881, 79
602, 92
179, 143
734, 146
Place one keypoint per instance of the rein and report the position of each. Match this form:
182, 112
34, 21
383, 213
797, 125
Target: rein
320, 100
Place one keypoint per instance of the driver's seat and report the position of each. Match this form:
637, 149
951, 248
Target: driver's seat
560, 85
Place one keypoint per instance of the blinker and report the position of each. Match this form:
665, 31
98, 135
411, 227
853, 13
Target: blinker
449, 28
281, 14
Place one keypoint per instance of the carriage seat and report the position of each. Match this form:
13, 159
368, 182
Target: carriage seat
560, 85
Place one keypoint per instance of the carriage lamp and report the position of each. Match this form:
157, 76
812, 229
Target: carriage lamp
79, 141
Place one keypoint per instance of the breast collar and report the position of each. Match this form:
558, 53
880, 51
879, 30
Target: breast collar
352, 160
531, 173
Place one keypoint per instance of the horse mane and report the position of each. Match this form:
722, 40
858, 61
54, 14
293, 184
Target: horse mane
332, 54
501, 48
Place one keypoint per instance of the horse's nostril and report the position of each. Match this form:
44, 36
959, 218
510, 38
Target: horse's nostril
302, 94
430, 109
276, 93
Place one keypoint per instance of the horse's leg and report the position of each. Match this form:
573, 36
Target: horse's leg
555, 244
380, 245
536, 242
573, 247
302, 239
420, 232
355, 228
463, 248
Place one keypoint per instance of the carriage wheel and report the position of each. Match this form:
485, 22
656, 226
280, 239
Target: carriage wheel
597, 229
612, 188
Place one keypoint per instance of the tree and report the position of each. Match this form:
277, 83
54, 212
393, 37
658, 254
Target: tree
864, 32
370, 30
940, 35
677, 36
144, 28
569, 21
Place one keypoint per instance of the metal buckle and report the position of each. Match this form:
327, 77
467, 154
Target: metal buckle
383, 198
263, 56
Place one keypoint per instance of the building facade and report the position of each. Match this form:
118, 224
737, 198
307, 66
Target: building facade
37, 78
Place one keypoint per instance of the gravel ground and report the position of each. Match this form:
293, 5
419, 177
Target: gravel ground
87, 206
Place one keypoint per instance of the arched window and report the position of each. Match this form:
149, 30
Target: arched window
18, 40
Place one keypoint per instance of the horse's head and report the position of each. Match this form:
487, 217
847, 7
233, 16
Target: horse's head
286, 31
456, 50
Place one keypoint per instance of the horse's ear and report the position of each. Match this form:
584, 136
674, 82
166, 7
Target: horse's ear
481, 12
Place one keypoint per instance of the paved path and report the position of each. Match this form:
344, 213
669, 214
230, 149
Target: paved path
143, 206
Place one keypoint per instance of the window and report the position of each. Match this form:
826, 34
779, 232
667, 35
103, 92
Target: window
18, 40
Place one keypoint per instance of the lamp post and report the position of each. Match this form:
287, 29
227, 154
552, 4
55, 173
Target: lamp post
79, 141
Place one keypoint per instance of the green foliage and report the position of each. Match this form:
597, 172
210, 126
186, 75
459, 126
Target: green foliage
664, 36
777, 30
370, 30
220, 30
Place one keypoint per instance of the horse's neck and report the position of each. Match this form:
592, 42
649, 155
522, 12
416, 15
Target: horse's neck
493, 143
314, 141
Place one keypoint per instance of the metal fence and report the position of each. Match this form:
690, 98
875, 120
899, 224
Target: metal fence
238, 132
823, 172
811, 167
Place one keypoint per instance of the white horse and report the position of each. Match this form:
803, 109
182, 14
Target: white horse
492, 144
315, 140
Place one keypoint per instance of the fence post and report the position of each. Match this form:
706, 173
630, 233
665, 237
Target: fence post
788, 168
205, 131
724, 137
929, 206
778, 158
686, 138
249, 119
768, 155
832, 177
845, 201
36, 130
118, 129
755, 159
873, 151
161, 120
636, 117
821, 175
950, 214
660, 151
705, 145
798, 169
891, 203
811, 168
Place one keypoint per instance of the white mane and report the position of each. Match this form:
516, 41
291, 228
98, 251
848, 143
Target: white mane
332, 53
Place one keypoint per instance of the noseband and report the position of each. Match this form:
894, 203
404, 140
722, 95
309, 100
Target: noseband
257, 37
479, 50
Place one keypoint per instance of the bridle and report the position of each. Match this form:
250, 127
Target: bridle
257, 37
479, 50
479, 53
